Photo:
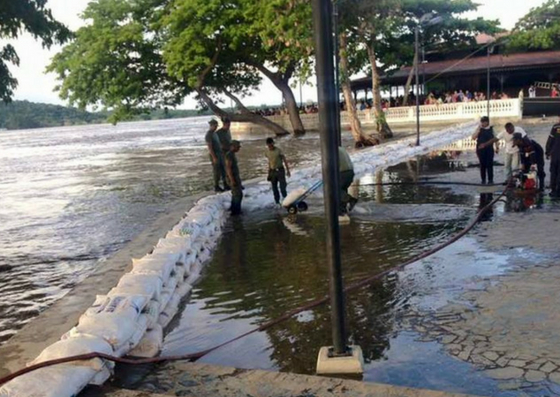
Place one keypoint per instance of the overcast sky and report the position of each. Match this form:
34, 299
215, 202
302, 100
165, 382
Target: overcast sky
35, 86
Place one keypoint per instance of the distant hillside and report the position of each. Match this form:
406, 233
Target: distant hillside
24, 115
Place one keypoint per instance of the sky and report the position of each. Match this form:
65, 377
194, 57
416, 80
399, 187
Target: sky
36, 86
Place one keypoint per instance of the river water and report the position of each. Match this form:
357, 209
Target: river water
70, 197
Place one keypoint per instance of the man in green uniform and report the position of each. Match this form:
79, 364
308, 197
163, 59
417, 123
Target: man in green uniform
276, 171
232, 171
216, 157
224, 135
346, 177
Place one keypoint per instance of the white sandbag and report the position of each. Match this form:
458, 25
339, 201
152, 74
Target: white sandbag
116, 303
141, 328
184, 289
160, 263
58, 381
180, 271
83, 344
150, 345
293, 196
165, 318
170, 286
151, 311
165, 297
115, 328
201, 218
139, 284
175, 245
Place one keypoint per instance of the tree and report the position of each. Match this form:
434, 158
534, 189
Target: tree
539, 29
134, 56
385, 29
30, 16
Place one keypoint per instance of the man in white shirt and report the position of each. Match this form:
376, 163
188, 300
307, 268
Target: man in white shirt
512, 151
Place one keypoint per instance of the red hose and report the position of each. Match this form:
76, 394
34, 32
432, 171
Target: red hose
285, 316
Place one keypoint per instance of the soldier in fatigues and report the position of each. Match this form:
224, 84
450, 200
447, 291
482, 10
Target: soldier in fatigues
553, 153
276, 171
234, 179
216, 157
346, 177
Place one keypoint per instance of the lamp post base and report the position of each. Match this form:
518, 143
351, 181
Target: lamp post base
350, 364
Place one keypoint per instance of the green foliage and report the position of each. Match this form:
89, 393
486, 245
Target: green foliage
539, 29
24, 115
389, 25
30, 16
115, 61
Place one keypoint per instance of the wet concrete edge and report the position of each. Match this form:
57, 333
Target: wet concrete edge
203, 380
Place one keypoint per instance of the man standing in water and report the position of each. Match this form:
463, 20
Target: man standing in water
553, 153
216, 157
483, 134
234, 179
276, 171
346, 177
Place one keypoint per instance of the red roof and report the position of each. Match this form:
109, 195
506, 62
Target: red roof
480, 63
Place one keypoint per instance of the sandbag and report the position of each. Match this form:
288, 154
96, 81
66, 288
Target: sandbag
170, 286
58, 381
175, 245
139, 284
151, 311
180, 271
200, 217
116, 303
293, 196
140, 331
162, 263
150, 345
184, 289
82, 344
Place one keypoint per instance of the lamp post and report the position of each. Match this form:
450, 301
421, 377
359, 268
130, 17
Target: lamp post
336, 70
426, 20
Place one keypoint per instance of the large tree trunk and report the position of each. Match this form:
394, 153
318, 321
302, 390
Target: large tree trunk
382, 127
358, 134
246, 116
282, 83
409, 81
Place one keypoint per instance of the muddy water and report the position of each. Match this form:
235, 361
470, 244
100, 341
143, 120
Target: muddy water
70, 197
267, 264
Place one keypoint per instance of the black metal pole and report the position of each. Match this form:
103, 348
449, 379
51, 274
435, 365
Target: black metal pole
417, 87
337, 71
488, 81
423, 70
327, 95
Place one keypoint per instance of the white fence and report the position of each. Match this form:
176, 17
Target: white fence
504, 108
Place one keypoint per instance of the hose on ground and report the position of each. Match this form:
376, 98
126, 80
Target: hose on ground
310, 305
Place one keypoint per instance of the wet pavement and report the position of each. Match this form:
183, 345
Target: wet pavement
440, 324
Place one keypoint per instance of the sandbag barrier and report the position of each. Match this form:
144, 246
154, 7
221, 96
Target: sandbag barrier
130, 319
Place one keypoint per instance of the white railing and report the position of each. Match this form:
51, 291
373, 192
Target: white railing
504, 108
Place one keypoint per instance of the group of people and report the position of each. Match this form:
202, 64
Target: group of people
554, 93
522, 153
223, 149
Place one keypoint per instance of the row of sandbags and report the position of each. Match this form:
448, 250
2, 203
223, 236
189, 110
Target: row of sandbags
130, 318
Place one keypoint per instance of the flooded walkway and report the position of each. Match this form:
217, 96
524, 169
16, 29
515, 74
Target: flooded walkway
440, 324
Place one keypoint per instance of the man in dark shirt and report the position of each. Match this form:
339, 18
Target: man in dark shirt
232, 170
553, 153
532, 155
484, 136
224, 135
216, 156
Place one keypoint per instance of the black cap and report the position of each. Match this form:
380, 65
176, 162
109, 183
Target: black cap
226, 120
213, 122
269, 141
484, 119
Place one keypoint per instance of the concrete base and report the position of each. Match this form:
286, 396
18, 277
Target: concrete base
343, 219
346, 365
